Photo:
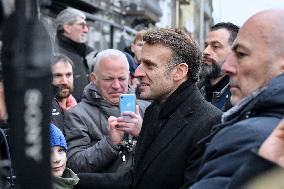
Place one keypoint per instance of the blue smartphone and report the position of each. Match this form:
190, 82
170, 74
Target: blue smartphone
127, 103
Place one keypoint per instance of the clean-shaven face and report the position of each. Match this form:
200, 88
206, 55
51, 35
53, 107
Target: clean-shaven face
111, 78
78, 30
156, 81
58, 160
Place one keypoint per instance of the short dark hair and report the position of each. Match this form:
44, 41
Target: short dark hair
184, 49
57, 57
232, 28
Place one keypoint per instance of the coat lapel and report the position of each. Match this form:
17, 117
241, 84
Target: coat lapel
175, 114
172, 128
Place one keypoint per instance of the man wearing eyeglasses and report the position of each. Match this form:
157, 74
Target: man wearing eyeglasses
71, 37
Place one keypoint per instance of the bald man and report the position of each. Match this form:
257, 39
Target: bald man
256, 68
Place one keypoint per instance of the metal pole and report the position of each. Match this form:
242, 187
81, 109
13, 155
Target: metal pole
201, 24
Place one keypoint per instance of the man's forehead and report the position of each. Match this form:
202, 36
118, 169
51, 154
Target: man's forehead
61, 72
243, 42
109, 74
219, 35
61, 65
112, 60
108, 63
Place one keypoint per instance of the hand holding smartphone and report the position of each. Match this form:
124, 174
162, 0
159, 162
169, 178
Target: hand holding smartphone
130, 123
127, 102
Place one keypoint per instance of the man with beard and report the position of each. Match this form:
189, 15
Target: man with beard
214, 84
62, 83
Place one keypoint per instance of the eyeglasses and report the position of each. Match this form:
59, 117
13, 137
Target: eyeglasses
82, 24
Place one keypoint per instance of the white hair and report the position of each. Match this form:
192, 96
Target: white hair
107, 54
68, 16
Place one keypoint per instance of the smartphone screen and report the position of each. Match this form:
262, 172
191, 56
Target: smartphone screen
127, 103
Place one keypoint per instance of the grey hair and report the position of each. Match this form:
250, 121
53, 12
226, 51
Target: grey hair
109, 53
67, 16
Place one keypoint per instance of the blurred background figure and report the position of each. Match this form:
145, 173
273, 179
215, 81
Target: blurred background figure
134, 83
136, 46
70, 39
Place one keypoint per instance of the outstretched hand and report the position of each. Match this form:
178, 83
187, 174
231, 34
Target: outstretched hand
273, 147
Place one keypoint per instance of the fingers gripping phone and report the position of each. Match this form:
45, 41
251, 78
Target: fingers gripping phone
127, 103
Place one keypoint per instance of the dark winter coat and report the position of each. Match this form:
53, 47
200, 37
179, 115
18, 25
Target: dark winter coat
57, 115
168, 154
218, 94
77, 52
251, 170
245, 127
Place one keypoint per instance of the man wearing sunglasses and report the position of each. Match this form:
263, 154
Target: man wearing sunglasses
71, 37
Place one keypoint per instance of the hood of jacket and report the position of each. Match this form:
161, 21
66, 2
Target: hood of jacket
91, 95
68, 180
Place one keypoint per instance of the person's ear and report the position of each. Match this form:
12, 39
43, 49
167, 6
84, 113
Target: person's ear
282, 64
278, 65
93, 77
181, 71
67, 28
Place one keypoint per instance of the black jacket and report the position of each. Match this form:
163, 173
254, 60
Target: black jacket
57, 115
77, 52
218, 94
171, 157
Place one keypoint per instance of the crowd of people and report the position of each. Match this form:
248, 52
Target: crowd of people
203, 120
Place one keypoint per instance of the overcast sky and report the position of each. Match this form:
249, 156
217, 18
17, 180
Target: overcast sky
237, 11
